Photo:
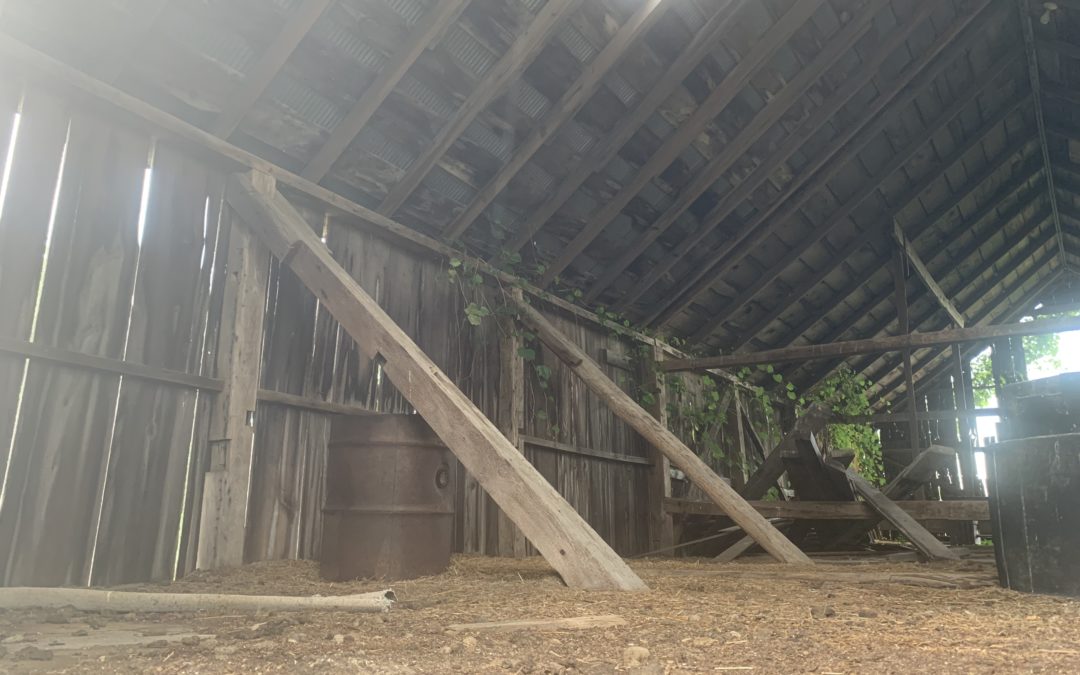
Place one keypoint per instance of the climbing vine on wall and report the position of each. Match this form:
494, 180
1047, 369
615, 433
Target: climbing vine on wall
844, 392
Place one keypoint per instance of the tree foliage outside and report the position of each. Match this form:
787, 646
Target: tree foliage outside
1039, 350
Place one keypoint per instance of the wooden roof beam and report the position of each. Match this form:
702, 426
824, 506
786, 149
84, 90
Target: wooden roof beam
859, 281
268, 66
1022, 8
919, 73
494, 83
1021, 309
840, 329
837, 218
1006, 252
571, 102
924, 274
874, 233
703, 42
893, 343
431, 26
1001, 303
735, 151
719, 98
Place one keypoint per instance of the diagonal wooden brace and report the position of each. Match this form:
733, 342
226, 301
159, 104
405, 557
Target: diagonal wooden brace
562, 536
666, 442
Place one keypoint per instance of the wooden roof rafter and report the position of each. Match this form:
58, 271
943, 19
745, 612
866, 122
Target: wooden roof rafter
1023, 10
506, 70
908, 85
766, 168
424, 35
1004, 254
1021, 246
860, 280
719, 98
268, 66
840, 216
563, 110
768, 221
1021, 309
1000, 304
703, 42
870, 234
1028, 173
925, 276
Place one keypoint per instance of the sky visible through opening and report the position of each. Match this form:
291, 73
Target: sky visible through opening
1068, 355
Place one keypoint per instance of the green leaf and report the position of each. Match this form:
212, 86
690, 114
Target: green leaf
527, 353
778, 378
455, 262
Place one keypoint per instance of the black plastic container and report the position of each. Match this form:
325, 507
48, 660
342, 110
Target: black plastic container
1035, 508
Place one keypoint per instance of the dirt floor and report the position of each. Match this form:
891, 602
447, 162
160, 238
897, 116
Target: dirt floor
840, 616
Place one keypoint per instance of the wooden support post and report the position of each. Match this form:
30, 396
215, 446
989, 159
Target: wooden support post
223, 518
666, 442
511, 420
965, 399
661, 528
900, 284
740, 460
566, 541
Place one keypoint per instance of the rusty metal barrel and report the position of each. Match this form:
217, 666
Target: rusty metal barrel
388, 510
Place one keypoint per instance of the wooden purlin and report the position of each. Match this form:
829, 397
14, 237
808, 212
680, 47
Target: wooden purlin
703, 42
835, 219
567, 542
660, 437
429, 28
513, 62
971, 350
986, 265
744, 188
575, 97
270, 63
859, 281
986, 315
719, 98
809, 181
876, 345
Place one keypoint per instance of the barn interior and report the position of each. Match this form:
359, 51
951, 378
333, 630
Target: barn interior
538, 335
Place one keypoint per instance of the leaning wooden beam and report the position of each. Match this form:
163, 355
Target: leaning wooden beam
719, 98
961, 509
566, 541
878, 345
268, 66
919, 471
924, 275
666, 442
512, 63
928, 544
919, 74
431, 25
223, 515
571, 102
733, 152
703, 42
772, 467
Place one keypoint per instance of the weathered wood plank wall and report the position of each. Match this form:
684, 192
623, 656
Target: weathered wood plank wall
112, 245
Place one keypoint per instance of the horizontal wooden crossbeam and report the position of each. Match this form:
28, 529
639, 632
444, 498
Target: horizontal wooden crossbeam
967, 509
877, 345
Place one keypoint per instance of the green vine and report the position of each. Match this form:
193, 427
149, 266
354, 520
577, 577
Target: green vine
844, 392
